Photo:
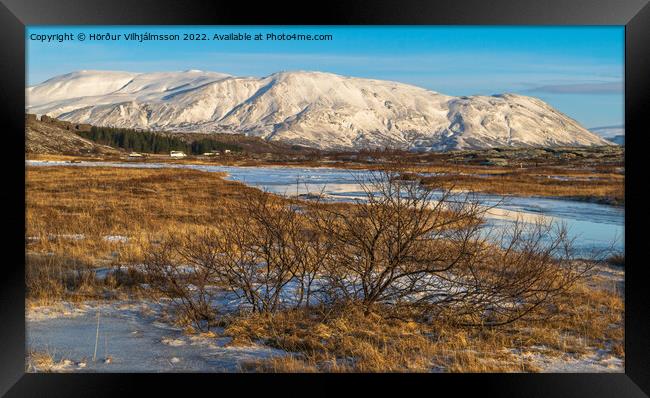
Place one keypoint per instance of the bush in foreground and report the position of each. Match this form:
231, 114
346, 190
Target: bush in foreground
408, 250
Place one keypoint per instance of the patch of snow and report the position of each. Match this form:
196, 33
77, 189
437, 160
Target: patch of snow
67, 236
132, 338
116, 238
173, 342
62, 309
595, 361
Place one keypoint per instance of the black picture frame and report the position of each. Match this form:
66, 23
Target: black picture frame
16, 14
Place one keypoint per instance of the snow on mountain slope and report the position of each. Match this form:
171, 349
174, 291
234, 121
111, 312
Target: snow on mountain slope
82, 89
608, 131
78, 84
316, 109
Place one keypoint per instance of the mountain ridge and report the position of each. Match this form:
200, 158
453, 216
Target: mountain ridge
316, 109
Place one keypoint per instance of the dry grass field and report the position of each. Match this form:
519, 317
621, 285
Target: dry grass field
101, 202
595, 175
84, 218
597, 186
348, 341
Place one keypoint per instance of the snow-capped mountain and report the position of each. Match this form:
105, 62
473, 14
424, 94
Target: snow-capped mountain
309, 108
608, 131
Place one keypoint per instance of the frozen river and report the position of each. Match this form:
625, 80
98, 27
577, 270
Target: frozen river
594, 226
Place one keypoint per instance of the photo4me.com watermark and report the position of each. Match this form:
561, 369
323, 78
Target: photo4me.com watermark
148, 36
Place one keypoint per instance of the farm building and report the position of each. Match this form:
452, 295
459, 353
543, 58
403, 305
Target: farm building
177, 154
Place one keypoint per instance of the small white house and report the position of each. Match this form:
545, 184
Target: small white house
177, 154
226, 151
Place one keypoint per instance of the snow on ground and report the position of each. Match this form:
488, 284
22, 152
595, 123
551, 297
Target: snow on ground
107, 238
595, 361
137, 336
132, 338
116, 238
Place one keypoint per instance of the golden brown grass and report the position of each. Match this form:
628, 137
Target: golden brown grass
40, 361
580, 184
44, 362
97, 202
143, 203
70, 212
53, 278
594, 173
346, 340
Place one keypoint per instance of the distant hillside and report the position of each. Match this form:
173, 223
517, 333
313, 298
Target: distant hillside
608, 131
51, 136
618, 139
615, 134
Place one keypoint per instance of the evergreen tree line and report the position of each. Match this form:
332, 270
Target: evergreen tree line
151, 142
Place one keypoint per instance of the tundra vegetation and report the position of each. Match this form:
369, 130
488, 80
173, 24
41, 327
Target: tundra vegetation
408, 279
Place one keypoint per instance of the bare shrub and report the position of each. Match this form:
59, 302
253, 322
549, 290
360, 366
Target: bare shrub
409, 249
262, 251
428, 251
387, 243
269, 255
176, 267
263, 248
507, 277
617, 259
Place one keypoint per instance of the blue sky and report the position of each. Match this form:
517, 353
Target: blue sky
578, 70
